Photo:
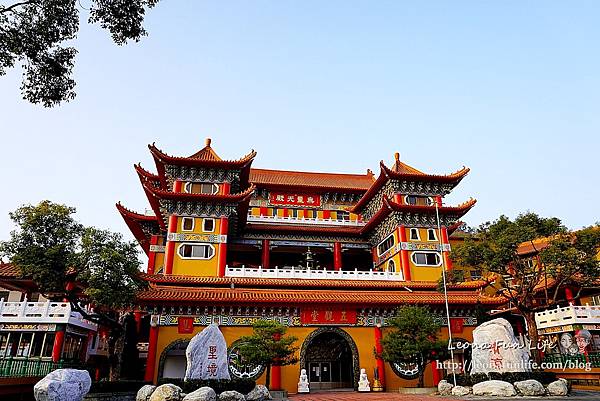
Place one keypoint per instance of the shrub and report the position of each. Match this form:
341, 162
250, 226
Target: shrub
243, 386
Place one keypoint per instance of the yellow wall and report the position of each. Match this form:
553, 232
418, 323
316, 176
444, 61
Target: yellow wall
364, 338
196, 267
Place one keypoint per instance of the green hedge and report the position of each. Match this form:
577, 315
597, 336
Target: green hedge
511, 377
243, 386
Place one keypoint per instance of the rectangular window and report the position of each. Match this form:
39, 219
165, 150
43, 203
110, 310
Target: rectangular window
48, 345
431, 235
196, 251
293, 213
208, 225
4, 295
206, 188
426, 258
385, 245
410, 199
343, 216
187, 224
414, 234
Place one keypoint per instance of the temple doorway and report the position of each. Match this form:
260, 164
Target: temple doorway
330, 358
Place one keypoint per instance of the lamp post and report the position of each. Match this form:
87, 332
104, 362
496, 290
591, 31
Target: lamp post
438, 201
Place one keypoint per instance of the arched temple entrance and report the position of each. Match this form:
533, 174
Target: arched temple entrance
172, 363
330, 358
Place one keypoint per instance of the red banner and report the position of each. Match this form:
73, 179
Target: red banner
327, 316
456, 324
276, 198
185, 325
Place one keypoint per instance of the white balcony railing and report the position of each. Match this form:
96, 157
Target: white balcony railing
295, 272
568, 315
42, 312
304, 221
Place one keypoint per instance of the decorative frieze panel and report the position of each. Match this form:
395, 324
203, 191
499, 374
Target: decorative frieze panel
302, 237
190, 237
189, 173
157, 248
295, 317
189, 208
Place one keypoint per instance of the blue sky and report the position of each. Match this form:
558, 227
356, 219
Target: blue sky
510, 89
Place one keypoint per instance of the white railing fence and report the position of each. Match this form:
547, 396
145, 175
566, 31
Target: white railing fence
298, 273
568, 315
41, 312
303, 220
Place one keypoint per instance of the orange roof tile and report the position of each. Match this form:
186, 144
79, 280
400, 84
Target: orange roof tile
9, 270
303, 283
206, 153
237, 295
309, 180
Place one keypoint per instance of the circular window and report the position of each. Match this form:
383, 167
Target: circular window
238, 368
408, 370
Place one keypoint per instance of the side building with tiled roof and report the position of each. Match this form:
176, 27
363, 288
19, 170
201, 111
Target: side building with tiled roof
330, 255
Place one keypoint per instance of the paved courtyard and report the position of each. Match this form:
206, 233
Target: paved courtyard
352, 396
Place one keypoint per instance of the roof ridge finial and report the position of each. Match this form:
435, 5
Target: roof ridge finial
397, 156
208, 141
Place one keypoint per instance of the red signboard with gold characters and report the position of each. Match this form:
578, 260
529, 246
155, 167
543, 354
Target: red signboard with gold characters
307, 200
185, 325
315, 315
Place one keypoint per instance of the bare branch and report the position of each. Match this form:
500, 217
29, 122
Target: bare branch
12, 7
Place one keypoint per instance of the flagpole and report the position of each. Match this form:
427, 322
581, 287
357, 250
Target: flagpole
451, 346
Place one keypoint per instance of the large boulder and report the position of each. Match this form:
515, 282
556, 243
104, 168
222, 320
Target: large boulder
202, 394
206, 355
259, 393
444, 388
63, 385
496, 349
530, 387
558, 387
166, 392
496, 388
461, 391
145, 392
231, 396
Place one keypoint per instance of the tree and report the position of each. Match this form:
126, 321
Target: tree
413, 339
564, 258
268, 346
33, 32
85, 266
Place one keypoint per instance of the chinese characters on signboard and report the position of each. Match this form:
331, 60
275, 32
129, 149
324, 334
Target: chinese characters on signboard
276, 198
316, 316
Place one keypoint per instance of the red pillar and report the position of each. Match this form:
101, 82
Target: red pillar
337, 256
435, 373
404, 254
151, 361
138, 320
223, 228
378, 359
446, 254
276, 371
170, 248
266, 255
59, 340
569, 295
225, 188
152, 255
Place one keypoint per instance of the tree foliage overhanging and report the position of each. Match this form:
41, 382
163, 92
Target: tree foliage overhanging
534, 279
39, 34
50, 247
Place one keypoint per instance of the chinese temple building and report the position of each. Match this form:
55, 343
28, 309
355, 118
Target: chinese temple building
330, 255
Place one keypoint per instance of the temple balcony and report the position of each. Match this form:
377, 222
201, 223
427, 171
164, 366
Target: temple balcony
42, 312
304, 221
298, 273
567, 316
